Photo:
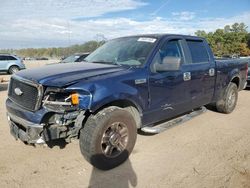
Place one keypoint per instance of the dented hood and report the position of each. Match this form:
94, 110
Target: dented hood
61, 75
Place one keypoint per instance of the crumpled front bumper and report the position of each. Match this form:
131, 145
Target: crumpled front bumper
42, 126
24, 130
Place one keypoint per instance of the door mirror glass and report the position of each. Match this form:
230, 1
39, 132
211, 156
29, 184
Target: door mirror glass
168, 64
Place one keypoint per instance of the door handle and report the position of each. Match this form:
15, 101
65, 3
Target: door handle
211, 72
186, 76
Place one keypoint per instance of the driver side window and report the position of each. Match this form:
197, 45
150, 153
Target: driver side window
171, 48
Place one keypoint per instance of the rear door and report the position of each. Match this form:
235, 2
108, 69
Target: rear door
202, 71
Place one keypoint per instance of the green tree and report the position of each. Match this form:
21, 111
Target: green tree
231, 40
56, 52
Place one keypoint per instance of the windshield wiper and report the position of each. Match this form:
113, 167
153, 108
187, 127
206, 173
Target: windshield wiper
105, 62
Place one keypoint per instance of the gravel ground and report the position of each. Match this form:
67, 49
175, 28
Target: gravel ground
211, 150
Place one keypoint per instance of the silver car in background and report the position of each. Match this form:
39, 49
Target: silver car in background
10, 63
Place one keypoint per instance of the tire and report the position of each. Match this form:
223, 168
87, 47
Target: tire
229, 100
108, 138
13, 69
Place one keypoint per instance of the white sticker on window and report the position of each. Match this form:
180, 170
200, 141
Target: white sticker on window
146, 39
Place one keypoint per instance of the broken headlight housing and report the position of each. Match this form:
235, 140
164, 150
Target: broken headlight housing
60, 100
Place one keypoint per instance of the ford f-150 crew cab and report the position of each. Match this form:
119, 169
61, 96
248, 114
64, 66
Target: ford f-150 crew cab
127, 84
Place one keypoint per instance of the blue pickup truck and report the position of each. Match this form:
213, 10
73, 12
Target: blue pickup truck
127, 84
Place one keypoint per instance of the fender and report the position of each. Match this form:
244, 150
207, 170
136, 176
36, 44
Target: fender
106, 92
236, 77
113, 99
234, 74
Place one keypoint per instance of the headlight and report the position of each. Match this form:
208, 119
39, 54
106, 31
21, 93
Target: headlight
60, 100
63, 99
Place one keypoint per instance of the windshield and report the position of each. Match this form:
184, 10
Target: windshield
132, 51
71, 58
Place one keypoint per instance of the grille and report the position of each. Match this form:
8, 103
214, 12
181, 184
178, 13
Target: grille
30, 95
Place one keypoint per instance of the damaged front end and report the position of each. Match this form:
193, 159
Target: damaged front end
64, 118
61, 116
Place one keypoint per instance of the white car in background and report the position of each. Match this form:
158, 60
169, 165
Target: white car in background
10, 63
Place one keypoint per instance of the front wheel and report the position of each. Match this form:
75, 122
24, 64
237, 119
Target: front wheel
108, 137
228, 102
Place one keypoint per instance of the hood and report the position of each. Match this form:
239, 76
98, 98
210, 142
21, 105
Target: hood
61, 75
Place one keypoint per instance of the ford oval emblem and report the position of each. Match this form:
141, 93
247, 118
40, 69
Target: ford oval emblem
18, 91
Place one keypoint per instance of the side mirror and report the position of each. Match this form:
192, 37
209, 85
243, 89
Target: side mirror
168, 64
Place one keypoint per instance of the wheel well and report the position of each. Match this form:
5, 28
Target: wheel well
12, 66
118, 103
236, 80
127, 105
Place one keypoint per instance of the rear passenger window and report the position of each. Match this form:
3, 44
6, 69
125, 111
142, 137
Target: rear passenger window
198, 51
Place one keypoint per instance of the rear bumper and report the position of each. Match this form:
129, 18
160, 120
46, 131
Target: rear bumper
243, 84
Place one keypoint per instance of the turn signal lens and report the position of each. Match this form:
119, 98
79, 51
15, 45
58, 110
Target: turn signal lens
75, 99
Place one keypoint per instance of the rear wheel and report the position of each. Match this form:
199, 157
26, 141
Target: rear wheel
13, 69
108, 137
228, 102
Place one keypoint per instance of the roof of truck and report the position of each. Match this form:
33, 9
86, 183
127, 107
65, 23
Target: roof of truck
160, 35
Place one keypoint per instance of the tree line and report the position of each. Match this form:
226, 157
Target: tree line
55, 52
232, 40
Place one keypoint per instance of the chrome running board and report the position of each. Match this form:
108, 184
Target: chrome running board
171, 123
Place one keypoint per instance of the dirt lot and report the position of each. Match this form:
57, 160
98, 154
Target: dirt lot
211, 150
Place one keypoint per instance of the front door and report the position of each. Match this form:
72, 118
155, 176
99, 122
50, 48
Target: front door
168, 90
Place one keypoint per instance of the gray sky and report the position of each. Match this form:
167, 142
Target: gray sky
52, 23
